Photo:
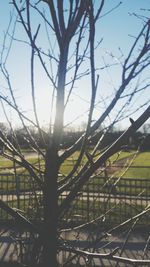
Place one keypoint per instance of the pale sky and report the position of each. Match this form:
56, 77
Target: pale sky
116, 30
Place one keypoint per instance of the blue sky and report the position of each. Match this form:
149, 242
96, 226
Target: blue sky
114, 28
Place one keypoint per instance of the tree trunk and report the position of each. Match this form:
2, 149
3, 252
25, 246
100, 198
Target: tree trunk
50, 210
51, 171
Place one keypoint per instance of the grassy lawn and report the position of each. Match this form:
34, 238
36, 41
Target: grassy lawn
69, 163
4, 163
142, 159
6, 166
135, 171
140, 167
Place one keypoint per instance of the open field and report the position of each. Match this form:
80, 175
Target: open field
140, 165
143, 159
7, 165
138, 169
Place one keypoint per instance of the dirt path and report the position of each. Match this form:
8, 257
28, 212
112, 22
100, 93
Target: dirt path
119, 164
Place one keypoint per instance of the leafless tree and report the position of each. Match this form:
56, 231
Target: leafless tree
66, 57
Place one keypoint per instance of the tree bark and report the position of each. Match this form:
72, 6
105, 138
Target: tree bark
52, 164
50, 210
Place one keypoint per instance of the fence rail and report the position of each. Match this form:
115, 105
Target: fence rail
112, 199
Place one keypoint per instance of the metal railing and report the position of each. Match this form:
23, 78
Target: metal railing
113, 200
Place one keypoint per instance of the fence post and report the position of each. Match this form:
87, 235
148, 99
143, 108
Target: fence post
17, 191
17, 186
88, 202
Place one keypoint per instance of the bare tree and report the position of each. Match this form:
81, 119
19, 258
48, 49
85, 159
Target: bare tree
68, 57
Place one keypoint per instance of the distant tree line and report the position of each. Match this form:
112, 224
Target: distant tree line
140, 140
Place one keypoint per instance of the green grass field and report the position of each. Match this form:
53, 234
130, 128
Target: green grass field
139, 167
